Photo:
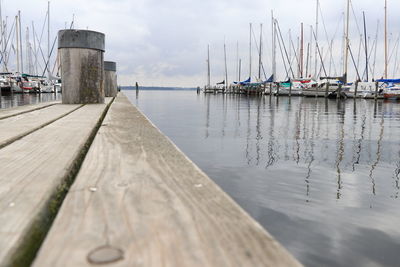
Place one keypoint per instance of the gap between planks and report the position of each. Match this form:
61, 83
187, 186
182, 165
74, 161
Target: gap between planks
7, 113
35, 174
15, 127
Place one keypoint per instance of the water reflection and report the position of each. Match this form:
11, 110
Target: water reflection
207, 115
15, 100
340, 147
321, 175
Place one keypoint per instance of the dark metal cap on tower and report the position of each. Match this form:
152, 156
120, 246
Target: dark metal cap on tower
81, 39
110, 66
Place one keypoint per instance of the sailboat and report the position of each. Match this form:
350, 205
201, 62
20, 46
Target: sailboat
390, 88
325, 87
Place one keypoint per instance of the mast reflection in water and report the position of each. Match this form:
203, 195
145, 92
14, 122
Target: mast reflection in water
322, 176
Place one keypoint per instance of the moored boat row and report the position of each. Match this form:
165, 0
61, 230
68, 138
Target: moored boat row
379, 89
25, 83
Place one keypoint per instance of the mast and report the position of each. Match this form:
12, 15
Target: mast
48, 39
208, 67
309, 66
260, 54
34, 49
301, 51
17, 39
290, 42
27, 51
366, 48
386, 47
346, 47
316, 40
273, 40
5, 42
2, 37
307, 59
226, 68
297, 57
359, 50
237, 60
20, 41
240, 68
250, 54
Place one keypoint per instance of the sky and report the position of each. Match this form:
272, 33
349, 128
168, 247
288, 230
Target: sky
164, 43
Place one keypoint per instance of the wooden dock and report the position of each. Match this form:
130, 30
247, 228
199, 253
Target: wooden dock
83, 185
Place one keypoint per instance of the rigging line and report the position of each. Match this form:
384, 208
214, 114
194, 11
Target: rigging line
283, 58
359, 51
11, 36
262, 67
393, 49
35, 54
266, 43
295, 54
70, 27
4, 35
319, 52
376, 45
354, 63
395, 58
369, 57
333, 41
1, 39
369, 63
41, 36
41, 51
291, 63
397, 70
51, 53
325, 54
356, 20
371, 50
284, 47
326, 33
258, 51
6, 44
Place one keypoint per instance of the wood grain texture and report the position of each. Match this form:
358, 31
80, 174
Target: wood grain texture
83, 73
15, 127
138, 195
33, 170
9, 112
110, 83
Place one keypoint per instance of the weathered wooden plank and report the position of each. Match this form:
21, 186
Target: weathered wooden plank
15, 127
34, 174
139, 201
9, 112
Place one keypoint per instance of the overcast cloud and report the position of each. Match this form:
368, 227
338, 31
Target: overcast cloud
164, 43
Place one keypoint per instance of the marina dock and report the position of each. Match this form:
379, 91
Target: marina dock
100, 184
91, 181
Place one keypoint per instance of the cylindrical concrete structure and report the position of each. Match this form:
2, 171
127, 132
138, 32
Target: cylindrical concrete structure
82, 66
110, 79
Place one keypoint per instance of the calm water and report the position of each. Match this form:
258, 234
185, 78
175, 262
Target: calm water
321, 176
14, 100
